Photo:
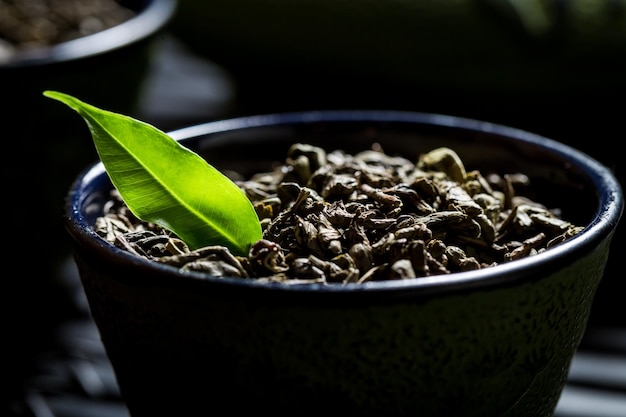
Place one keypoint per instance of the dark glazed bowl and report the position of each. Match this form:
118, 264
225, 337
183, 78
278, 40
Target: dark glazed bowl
492, 342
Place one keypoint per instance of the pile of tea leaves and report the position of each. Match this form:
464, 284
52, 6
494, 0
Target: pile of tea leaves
337, 218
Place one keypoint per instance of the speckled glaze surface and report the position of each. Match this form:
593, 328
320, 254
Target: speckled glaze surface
495, 342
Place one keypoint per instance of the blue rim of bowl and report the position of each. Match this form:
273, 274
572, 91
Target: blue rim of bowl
152, 17
605, 219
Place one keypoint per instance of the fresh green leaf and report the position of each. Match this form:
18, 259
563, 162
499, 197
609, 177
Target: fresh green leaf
166, 183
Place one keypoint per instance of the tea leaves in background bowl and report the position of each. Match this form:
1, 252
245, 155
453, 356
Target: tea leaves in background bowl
166, 183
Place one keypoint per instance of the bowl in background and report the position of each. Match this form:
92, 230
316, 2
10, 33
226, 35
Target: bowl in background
43, 150
491, 342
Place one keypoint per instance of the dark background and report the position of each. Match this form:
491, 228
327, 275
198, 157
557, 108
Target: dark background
562, 75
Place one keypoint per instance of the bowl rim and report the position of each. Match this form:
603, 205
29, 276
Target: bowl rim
153, 15
603, 224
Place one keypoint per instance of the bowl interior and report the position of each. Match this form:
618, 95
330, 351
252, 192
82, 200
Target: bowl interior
561, 177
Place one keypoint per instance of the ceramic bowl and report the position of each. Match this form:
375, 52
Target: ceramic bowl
107, 66
491, 342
